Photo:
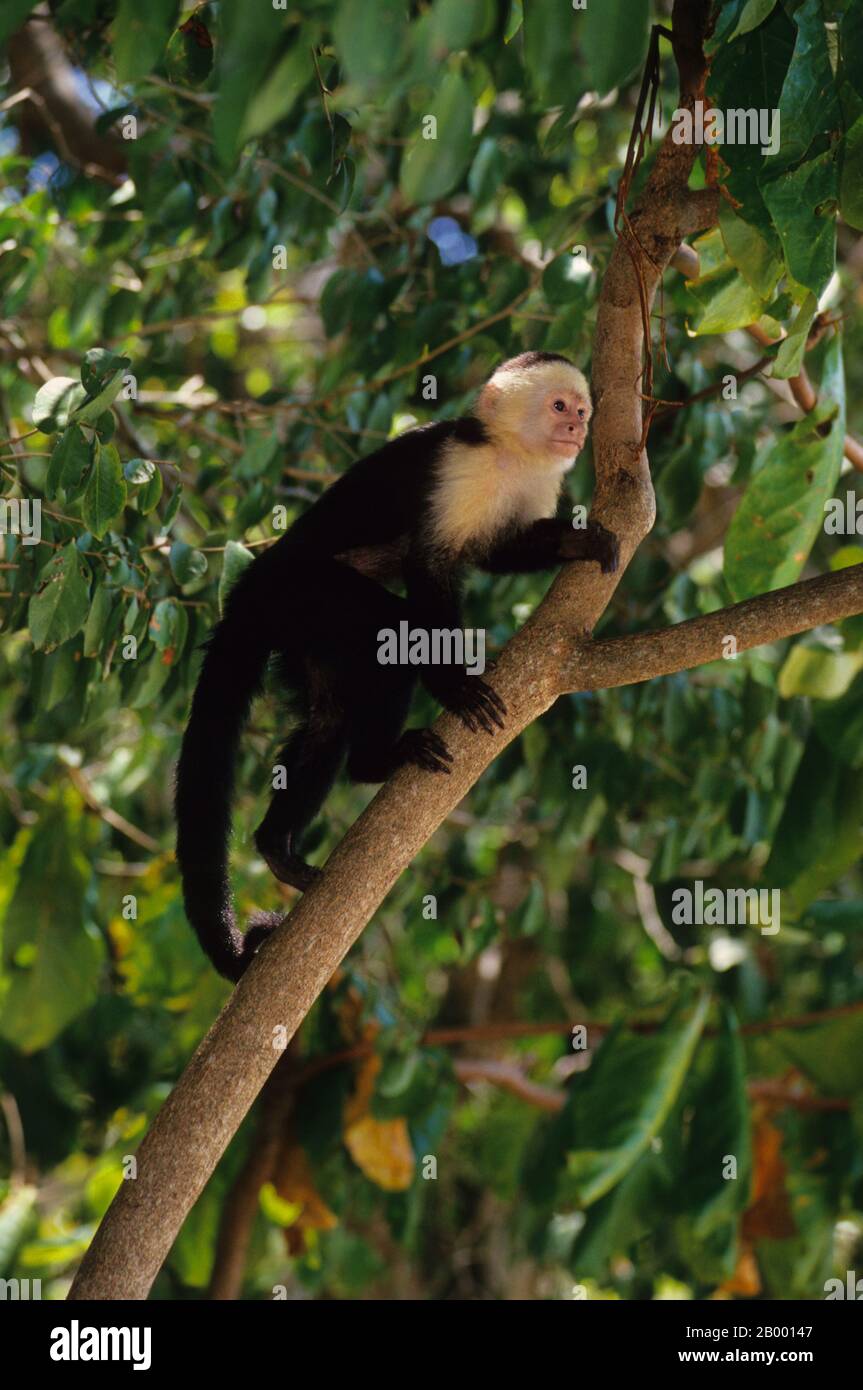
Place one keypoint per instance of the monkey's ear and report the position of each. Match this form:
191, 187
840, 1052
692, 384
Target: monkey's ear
489, 396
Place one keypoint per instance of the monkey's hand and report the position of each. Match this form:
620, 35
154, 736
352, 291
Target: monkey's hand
591, 542
475, 703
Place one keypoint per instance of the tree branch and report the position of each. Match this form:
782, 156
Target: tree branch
643, 655
42, 81
243, 1201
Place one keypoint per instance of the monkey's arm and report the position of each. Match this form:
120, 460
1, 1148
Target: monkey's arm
550, 542
433, 602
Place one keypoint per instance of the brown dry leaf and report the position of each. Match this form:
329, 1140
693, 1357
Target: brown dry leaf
294, 1183
380, 1148
770, 1213
746, 1279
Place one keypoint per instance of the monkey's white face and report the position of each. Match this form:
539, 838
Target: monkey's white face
566, 417
542, 412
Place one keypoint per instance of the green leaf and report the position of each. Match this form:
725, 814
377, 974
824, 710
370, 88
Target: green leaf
455, 25
242, 63
370, 38
515, 20
613, 39
431, 168
277, 94
719, 1128
99, 368
56, 402
619, 1220
69, 459
172, 509
140, 35
187, 564
106, 426
105, 496
754, 13
851, 177
60, 606
52, 954
98, 623
13, 16
802, 203
350, 298
91, 411
150, 492
782, 510
236, 559
819, 834
839, 724
139, 471
747, 75
189, 54
809, 103
151, 675
551, 31
725, 302
759, 262
168, 628
831, 1054
818, 672
262, 450
398, 1073
789, 358
624, 1100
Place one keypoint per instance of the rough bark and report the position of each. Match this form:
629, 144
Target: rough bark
549, 655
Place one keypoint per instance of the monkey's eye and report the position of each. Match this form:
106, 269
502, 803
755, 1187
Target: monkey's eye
559, 405
581, 412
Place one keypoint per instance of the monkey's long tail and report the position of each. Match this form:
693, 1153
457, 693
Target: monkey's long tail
231, 676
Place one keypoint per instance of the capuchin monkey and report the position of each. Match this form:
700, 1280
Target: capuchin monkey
478, 491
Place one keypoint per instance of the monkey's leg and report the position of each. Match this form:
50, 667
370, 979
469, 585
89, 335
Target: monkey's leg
311, 764
376, 744
311, 759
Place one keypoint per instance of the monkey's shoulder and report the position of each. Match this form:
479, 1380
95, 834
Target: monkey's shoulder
399, 477
381, 499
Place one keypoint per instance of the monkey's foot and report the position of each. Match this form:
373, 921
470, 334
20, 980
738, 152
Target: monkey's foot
477, 705
286, 867
424, 749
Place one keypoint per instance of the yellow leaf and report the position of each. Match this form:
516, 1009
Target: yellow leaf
382, 1149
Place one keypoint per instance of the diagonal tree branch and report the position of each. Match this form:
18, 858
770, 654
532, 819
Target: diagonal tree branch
548, 655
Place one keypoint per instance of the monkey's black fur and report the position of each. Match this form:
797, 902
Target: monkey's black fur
314, 602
